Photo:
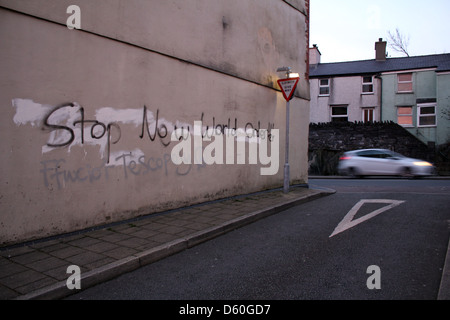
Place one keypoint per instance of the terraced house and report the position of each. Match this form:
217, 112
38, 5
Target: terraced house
411, 91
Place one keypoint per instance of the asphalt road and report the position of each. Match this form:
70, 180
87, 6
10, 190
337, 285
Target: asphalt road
401, 229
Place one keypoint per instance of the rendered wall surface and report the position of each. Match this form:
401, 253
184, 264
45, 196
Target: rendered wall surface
345, 91
87, 115
443, 112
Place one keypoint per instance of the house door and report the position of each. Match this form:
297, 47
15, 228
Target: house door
368, 115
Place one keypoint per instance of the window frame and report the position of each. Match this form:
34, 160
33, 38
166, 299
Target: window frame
363, 84
419, 115
411, 115
338, 116
324, 86
405, 82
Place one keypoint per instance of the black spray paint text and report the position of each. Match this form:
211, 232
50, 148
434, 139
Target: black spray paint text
112, 132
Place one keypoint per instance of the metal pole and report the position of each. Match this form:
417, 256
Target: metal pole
286, 163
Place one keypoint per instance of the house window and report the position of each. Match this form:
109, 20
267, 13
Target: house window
426, 115
405, 116
367, 84
368, 115
324, 87
405, 83
339, 114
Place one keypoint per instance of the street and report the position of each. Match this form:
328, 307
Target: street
373, 239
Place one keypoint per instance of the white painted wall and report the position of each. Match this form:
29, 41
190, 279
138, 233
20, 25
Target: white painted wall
183, 60
343, 91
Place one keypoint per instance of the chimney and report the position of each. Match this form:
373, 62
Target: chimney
314, 55
380, 50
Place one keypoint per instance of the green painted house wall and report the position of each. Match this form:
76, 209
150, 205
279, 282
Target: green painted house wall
428, 87
443, 113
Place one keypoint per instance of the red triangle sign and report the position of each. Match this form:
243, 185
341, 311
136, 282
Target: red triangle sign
288, 87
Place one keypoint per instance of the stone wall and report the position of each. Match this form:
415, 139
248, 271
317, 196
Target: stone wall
327, 141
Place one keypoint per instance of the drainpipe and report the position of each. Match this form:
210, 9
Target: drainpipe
378, 76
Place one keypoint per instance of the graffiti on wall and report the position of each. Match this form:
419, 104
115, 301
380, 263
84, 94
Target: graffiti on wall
55, 173
68, 125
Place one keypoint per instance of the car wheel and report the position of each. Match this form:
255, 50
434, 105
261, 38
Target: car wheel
353, 173
407, 173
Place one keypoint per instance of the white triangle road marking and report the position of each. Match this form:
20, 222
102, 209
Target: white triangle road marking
348, 221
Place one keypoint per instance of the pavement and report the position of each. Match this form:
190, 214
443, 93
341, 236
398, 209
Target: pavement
38, 270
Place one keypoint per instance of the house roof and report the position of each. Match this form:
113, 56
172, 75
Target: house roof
439, 61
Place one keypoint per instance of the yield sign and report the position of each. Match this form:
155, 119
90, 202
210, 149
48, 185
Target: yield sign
288, 87
348, 221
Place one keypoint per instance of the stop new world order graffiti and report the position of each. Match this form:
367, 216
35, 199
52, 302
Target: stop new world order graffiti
226, 136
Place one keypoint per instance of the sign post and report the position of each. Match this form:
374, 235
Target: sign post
288, 87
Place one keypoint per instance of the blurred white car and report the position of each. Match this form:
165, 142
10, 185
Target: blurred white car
368, 162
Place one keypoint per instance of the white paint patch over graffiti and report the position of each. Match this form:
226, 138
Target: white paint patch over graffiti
29, 112
126, 116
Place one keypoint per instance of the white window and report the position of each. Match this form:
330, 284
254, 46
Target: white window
339, 113
324, 87
405, 82
426, 115
405, 116
368, 114
367, 85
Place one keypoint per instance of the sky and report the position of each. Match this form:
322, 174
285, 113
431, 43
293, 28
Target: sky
346, 30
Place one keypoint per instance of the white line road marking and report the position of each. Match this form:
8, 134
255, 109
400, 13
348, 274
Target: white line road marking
348, 221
